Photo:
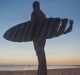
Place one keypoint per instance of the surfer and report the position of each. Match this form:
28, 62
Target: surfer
37, 18
38, 30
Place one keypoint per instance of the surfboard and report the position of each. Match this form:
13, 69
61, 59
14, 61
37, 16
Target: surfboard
50, 27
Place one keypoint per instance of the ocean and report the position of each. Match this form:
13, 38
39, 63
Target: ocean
33, 67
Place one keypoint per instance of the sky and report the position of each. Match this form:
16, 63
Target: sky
63, 50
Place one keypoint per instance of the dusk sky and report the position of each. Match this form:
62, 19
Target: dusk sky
63, 50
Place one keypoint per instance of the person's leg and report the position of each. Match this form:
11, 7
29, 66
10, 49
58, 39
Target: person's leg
39, 48
42, 68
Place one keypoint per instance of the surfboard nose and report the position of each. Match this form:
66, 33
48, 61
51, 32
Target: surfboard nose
7, 34
18, 33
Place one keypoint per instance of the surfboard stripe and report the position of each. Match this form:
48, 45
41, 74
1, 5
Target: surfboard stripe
23, 32
15, 33
37, 31
27, 35
69, 28
61, 27
49, 27
56, 23
19, 33
42, 30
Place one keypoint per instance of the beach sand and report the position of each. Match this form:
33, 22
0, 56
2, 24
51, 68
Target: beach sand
70, 71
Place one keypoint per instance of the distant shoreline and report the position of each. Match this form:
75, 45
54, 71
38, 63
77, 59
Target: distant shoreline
32, 67
67, 71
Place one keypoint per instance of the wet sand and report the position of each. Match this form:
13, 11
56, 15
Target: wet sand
70, 71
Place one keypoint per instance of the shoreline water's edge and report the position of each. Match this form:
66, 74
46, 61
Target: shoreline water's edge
67, 71
32, 67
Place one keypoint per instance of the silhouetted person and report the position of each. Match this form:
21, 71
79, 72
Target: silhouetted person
38, 29
37, 18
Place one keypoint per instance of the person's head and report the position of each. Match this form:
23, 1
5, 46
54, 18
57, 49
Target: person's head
36, 5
